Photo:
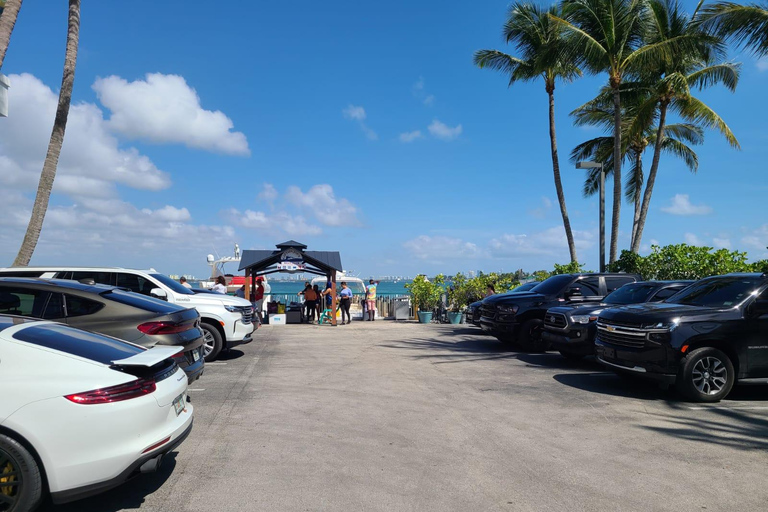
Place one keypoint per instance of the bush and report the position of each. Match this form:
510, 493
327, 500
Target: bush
683, 261
569, 268
425, 293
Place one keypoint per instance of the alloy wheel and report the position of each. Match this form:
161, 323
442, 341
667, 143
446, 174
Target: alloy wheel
10, 482
709, 375
208, 343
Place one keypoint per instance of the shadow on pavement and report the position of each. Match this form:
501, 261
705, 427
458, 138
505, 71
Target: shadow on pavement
608, 383
130, 495
230, 355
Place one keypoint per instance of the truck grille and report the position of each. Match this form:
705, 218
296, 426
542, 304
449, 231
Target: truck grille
556, 320
621, 336
489, 311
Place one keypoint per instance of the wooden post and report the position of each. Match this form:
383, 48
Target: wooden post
333, 298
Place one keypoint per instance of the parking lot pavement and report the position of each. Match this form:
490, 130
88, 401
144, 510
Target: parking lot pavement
406, 417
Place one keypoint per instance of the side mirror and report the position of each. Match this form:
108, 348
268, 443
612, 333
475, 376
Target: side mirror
759, 307
158, 293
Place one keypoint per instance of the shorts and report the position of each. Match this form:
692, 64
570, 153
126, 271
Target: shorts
370, 304
259, 305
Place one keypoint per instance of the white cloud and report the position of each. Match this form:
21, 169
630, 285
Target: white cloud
91, 161
692, 239
550, 243
268, 193
419, 92
429, 100
419, 85
441, 247
410, 136
358, 114
757, 239
721, 243
279, 223
443, 131
681, 205
165, 109
353, 112
762, 64
541, 212
321, 203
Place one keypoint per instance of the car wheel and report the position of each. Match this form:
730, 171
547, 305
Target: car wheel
530, 336
212, 343
572, 355
706, 376
21, 485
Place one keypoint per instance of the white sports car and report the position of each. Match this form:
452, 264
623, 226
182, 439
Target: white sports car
81, 413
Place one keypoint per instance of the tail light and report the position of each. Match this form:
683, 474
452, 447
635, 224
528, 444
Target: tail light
162, 328
134, 389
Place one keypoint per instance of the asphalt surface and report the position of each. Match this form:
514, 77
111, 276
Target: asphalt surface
407, 417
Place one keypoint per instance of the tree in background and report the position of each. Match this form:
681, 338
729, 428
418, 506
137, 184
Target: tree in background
57, 139
9, 11
543, 54
693, 64
746, 25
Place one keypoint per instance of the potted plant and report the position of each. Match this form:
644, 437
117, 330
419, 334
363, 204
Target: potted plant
457, 298
425, 295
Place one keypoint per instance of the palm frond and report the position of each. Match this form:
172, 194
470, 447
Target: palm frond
726, 73
516, 69
696, 111
745, 24
682, 151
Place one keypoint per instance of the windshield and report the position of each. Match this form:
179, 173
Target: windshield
525, 287
630, 294
139, 301
553, 285
718, 292
173, 285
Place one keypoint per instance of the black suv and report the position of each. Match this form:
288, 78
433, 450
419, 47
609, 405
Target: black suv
703, 339
571, 329
518, 317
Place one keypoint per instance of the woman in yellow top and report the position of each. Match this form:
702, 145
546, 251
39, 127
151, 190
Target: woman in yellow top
370, 300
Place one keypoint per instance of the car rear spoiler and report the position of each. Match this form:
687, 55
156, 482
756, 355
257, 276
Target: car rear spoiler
149, 357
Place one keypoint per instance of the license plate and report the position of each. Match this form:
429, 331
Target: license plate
196, 355
609, 353
179, 403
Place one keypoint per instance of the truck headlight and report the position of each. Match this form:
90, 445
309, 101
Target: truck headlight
583, 319
232, 309
508, 309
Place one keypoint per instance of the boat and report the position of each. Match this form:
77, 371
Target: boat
234, 282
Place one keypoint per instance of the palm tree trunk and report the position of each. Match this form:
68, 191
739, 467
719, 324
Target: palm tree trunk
616, 172
556, 172
7, 21
638, 193
651, 177
57, 138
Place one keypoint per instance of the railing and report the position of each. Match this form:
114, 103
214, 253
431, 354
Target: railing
385, 303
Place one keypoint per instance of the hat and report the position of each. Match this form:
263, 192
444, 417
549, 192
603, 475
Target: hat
259, 278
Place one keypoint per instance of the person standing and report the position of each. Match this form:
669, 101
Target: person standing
305, 308
345, 301
370, 300
220, 286
490, 291
310, 296
258, 297
318, 302
184, 283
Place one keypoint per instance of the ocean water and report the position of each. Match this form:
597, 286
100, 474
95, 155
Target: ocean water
384, 288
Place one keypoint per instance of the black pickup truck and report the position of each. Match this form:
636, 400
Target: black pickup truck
571, 329
704, 339
518, 317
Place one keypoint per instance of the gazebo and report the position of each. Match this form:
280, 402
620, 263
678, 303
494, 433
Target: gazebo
291, 257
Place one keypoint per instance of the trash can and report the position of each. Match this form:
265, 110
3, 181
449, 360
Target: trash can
402, 307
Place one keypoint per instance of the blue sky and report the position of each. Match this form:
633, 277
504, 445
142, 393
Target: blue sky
348, 126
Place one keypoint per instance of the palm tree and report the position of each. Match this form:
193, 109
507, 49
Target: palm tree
9, 10
542, 50
745, 24
57, 138
692, 65
608, 36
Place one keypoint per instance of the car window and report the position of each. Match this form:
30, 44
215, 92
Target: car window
54, 310
98, 277
88, 345
553, 285
614, 282
719, 292
23, 301
592, 282
585, 290
141, 301
170, 283
80, 306
634, 293
666, 293
23, 273
134, 282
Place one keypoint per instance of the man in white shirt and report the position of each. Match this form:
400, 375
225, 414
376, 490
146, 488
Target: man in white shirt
184, 283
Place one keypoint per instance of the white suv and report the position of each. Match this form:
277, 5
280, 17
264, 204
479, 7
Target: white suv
226, 321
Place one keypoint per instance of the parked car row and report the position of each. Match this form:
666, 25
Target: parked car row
703, 336
99, 360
